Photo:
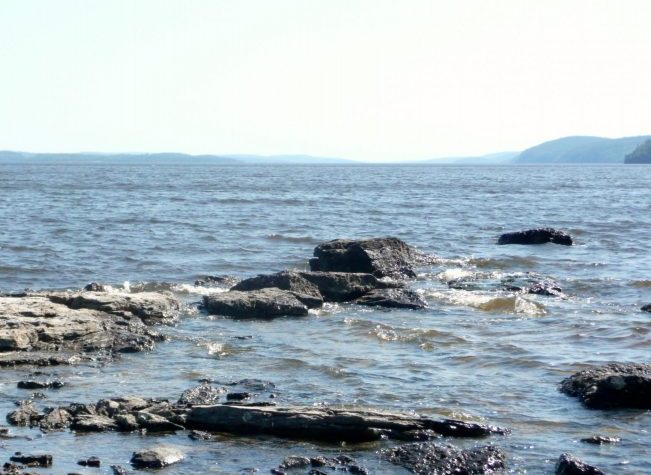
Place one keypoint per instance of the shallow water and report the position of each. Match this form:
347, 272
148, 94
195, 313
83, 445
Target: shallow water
482, 355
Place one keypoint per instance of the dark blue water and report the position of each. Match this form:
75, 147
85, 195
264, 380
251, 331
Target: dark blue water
479, 355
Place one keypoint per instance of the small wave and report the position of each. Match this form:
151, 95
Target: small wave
452, 274
504, 303
504, 262
197, 289
296, 239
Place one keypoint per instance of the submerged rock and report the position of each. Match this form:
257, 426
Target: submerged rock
264, 303
40, 384
392, 298
340, 463
432, 458
536, 236
526, 283
646, 308
303, 290
601, 440
569, 465
44, 460
616, 385
156, 457
382, 257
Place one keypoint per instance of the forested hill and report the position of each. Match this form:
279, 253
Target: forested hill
581, 149
642, 154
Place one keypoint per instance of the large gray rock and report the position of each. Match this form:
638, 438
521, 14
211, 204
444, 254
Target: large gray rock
51, 328
264, 303
433, 458
156, 457
392, 298
345, 286
327, 424
569, 465
382, 257
616, 385
536, 236
302, 289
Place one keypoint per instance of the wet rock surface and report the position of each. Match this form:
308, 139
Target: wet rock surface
536, 236
345, 286
616, 385
382, 257
303, 290
432, 458
216, 280
264, 303
326, 424
392, 298
569, 465
30, 384
526, 283
29, 460
156, 457
646, 308
601, 440
204, 394
60, 327
319, 464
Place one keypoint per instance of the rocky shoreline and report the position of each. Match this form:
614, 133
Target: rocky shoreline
50, 328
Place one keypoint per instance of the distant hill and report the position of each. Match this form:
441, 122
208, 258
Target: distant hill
581, 149
492, 158
9, 156
642, 154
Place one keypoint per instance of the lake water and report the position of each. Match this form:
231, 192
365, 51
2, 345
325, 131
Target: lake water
483, 355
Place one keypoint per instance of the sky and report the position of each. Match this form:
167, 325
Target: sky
367, 80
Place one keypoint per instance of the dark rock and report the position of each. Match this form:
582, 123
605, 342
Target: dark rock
90, 462
616, 385
264, 303
203, 394
40, 384
118, 470
646, 308
293, 282
24, 415
601, 440
55, 419
94, 424
536, 236
327, 424
156, 423
382, 257
200, 435
156, 457
345, 286
238, 396
95, 287
295, 461
527, 283
32, 460
432, 458
569, 465
392, 298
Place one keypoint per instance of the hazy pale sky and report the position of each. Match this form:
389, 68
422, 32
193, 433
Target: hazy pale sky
368, 80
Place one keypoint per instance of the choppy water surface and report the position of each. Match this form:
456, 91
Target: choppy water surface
479, 355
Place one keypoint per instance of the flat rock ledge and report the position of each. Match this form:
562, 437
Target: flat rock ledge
612, 386
48, 328
433, 458
536, 236
131, 413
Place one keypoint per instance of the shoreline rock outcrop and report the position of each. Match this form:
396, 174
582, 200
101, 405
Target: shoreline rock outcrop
570, 465
612, 386
46, 328
536, 236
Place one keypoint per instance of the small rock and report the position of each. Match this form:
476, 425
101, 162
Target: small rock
95, 287
536, 236
94, 423
40, 384
646, 308
600, 440
201, 435
295, 461
611, 386
569, 465
238, 396
118, 470
202, 394
90, 462
156, 457
32, 460
392, 298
